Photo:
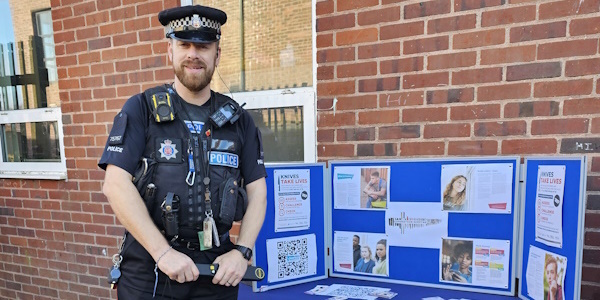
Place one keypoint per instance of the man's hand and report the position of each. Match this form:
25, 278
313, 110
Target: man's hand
232, 267
178, 266
553, 287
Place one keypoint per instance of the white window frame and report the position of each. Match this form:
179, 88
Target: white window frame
34, 170
301, 97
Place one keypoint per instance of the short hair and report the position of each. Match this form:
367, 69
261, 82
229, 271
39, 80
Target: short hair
465, 247
357, 237
551, 260
376, 174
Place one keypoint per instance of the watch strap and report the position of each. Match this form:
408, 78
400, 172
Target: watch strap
246, 252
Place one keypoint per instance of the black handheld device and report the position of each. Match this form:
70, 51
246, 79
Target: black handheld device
252, 273
228, 112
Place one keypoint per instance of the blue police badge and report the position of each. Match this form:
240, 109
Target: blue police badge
224, 159
168, 150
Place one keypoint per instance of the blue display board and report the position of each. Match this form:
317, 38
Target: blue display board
573, 215
318, 215
421, 181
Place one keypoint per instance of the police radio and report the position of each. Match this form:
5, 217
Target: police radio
228, 112
162, 107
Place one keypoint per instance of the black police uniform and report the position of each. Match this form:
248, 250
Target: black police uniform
179, 148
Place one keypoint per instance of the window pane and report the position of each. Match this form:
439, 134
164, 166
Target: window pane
282, 133
267, 46
27, 142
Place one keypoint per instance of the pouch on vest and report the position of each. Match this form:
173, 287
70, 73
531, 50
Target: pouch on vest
231, 196
143, 180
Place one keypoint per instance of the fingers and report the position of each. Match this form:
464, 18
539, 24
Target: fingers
179, 267
232, 267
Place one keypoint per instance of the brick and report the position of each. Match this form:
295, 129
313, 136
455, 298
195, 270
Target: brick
477, 76
473, 148
136, 24
401, 65
426, 114
355, 4
149, 8
124, 39
452, 24
450, 96
337, 150
568, 49
356, 134
84, 8
504, 92
100, 43
378, 117
141, 76
87, 58
115, 79
582, 67
559, 126
452, 60
79, 71
533, 71
434, 131
425, 45
508, 55
565, 8
538, 32
388, 14
75, 47
324, 40
336, 88
386, 149
153, 62
584, 26
152, 35
399, 132
462, 5
325, 73
379, 84
478, 39
357, 69
508, 16
121, 13
86, 33
127, 65
97, 18
475, 112
531, 109
563, 88
75, 22
335, 22
111, 29
529, 146
340, 119
357, 102
107, 4
421, 148
424, 9
61, 13
379, 50
581, 106
335, 55
504, 128
357, 36
64, 37
326, 135
139, 50
402, 30
401, 99
425, 80
324, 7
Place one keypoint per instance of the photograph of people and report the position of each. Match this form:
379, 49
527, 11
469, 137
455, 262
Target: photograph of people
552, 289
365, 263
376, 187
455, 194
356, 248
459, 266
381, 258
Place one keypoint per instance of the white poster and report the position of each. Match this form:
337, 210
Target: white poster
361, 187
479, 188
345, 291
416, 224
545, 274
479, 262
548, 205
291, 257
292, 200
360, 252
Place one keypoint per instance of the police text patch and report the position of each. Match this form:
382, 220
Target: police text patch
224, 159
118, 130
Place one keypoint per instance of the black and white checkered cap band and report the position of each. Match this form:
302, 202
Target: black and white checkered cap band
194, 22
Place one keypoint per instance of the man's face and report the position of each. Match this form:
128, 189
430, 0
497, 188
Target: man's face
374, 179
354, 241
193, 63
551, 272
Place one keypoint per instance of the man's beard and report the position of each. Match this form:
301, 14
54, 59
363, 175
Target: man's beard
193, 82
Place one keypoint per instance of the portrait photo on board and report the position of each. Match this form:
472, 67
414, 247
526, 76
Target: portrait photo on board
365, 255
374, 187
455, 185
457, 261
554, 276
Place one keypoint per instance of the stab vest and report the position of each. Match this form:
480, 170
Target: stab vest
167, 144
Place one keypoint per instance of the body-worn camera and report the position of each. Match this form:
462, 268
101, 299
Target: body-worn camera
170, 214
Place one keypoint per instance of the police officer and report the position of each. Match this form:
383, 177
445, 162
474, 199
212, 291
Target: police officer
202, 157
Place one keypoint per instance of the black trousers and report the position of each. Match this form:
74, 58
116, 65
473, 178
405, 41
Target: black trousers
137, 276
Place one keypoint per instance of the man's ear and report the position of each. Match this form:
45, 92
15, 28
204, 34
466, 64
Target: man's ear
170, 50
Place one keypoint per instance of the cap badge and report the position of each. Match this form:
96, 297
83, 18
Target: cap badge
196, 21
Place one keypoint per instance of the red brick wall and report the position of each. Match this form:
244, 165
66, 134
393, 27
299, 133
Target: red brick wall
462, 77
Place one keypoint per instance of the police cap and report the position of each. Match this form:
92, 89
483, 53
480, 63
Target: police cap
195, 24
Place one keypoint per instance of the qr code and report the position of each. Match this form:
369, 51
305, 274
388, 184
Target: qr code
292, 258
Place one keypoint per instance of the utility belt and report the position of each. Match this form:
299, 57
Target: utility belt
194, 244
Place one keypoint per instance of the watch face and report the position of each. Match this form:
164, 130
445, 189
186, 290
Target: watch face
246, 252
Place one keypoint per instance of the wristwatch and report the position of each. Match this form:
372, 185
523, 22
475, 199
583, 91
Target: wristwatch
246, 252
